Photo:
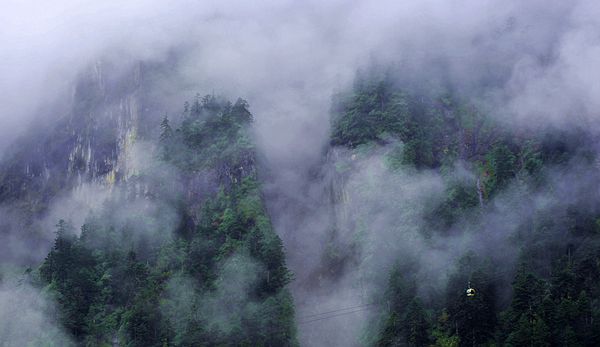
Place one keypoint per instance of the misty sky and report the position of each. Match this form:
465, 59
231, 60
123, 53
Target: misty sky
287, 57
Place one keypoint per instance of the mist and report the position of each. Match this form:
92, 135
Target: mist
288, 57
531, 65
28, 317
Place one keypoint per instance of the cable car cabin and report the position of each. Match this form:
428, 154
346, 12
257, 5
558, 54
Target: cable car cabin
470, 292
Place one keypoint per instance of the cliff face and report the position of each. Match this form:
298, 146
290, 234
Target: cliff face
91, 143
105, 124
197, 236
72, 161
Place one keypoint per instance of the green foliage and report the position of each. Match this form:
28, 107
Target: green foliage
70, 270
434, 130
552, 298
500, 168
367, 114
219, 280
406, 321
473, 317
214, 135
418, 324
460, 199
443, 334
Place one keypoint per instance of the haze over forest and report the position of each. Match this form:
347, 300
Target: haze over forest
300, 173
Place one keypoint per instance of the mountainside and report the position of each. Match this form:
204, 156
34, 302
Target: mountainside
175, 246
299, 173
219, 278
167, 240
442, 198
89, 146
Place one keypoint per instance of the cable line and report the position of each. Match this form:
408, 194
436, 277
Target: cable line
333, 316
338, 310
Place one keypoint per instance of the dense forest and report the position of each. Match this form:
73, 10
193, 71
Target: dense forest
518, 200
183, 252
523, 202
300, 173
218, 279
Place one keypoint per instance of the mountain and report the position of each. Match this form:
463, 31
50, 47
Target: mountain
175, 246
441, 198
434, 223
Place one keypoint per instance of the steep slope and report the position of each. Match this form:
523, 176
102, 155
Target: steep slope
441, 198
188, 257
419, 197
90, 144
162, 235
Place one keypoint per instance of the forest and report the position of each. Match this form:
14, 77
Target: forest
544, 293
315, 173
220, 278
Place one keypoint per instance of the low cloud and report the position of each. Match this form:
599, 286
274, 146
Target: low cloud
28, 317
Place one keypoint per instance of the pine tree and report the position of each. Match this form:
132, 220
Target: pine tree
70, 270
166, 132
417, 325
528, 293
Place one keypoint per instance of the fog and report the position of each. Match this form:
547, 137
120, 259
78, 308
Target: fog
27, 316
287, 57
530, 64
